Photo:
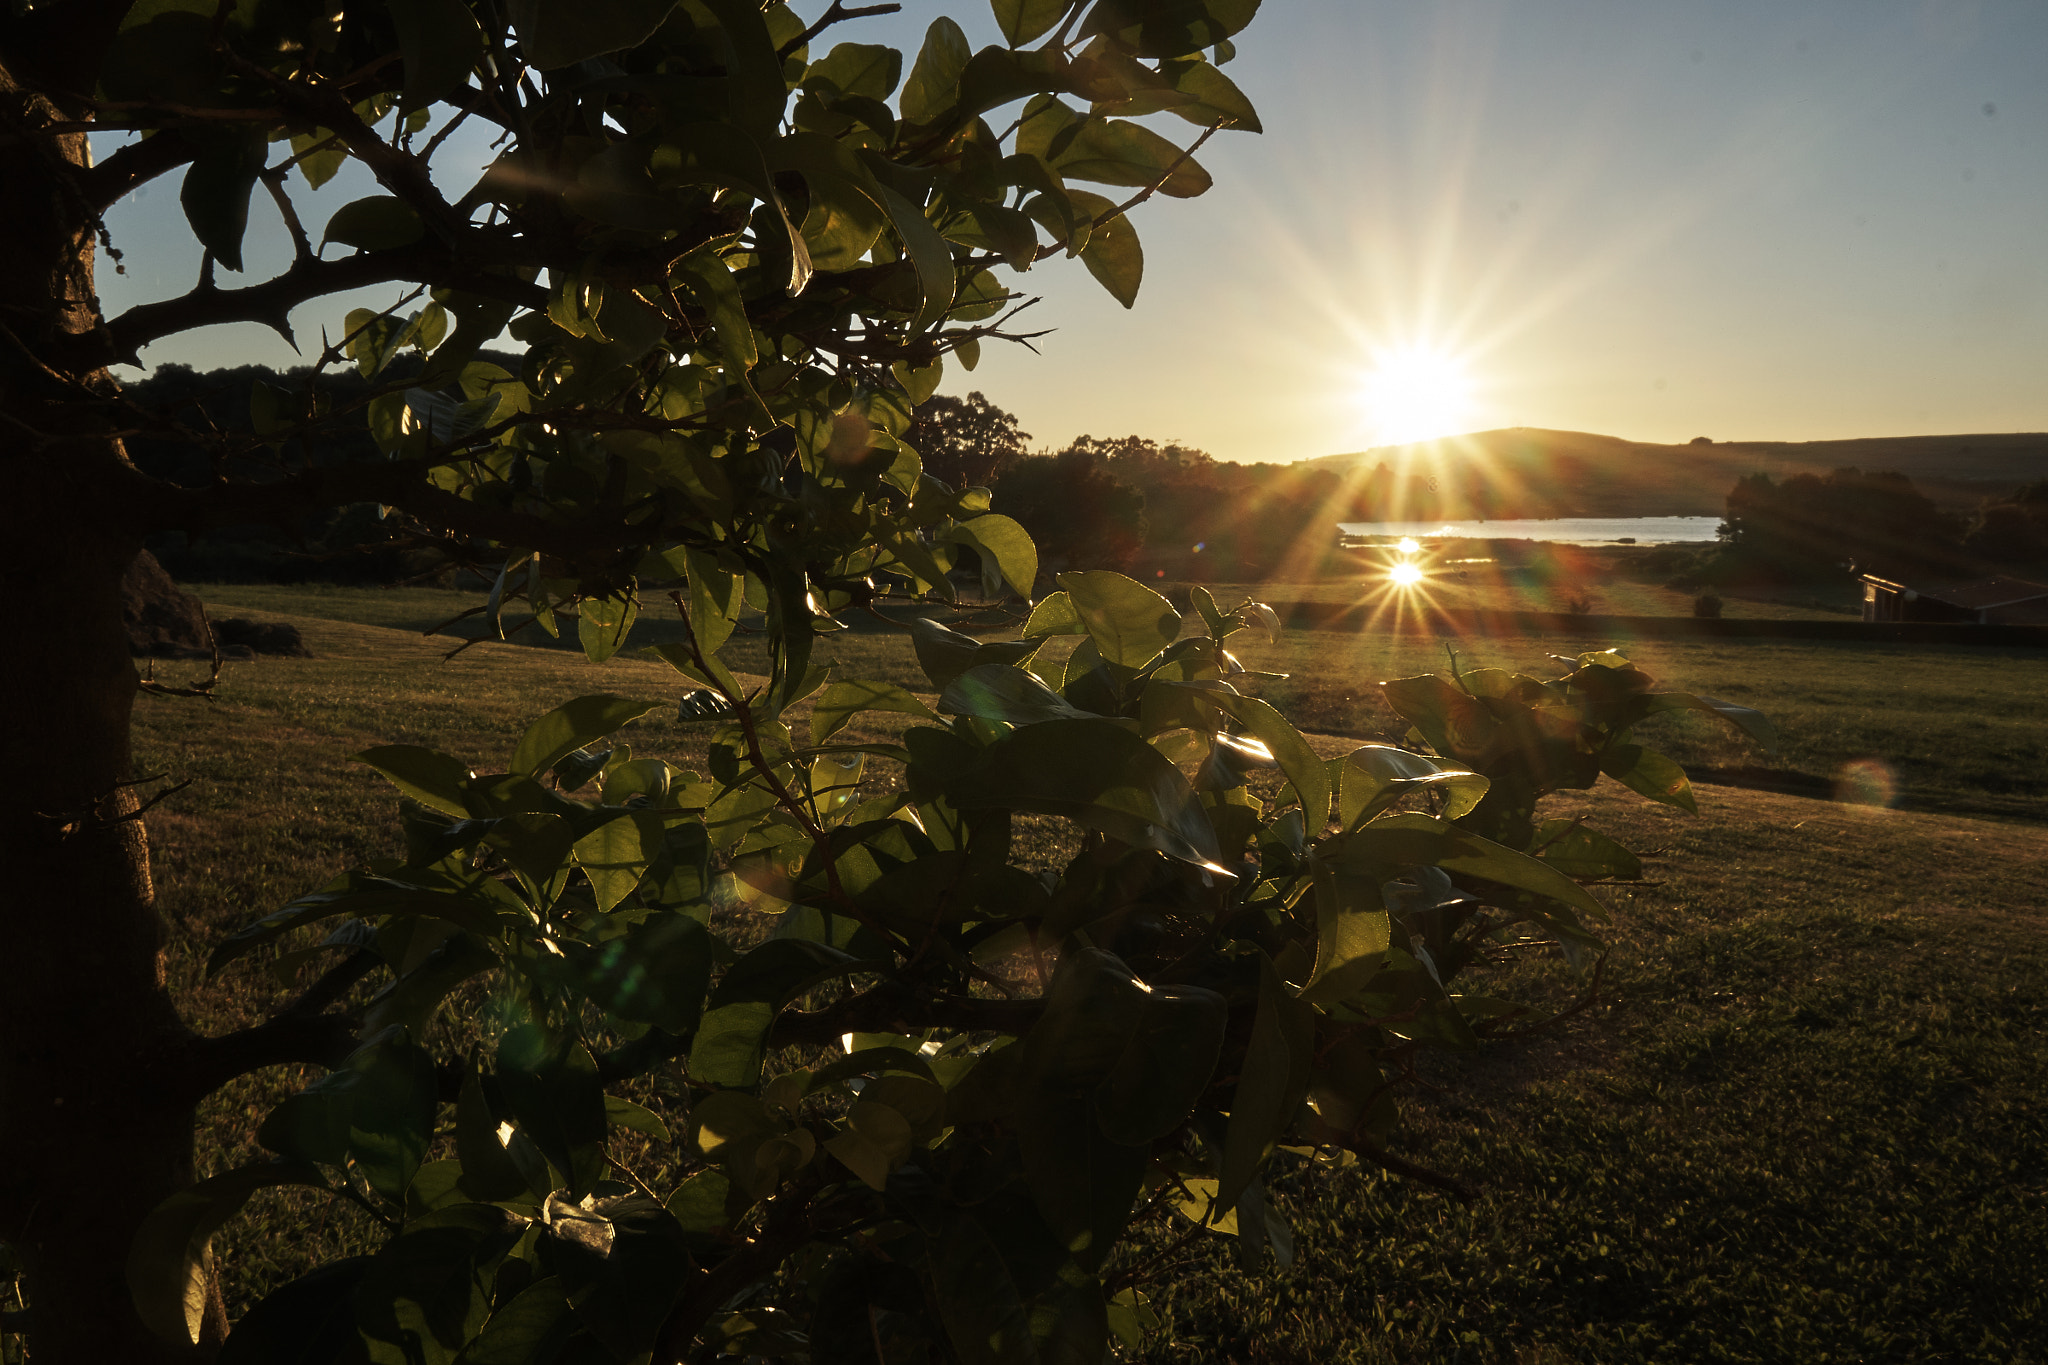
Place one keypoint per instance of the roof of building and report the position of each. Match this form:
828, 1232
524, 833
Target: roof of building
1981, 594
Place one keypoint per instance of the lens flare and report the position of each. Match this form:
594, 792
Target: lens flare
1404, 575
1866, 782
1418, 393
1408, 545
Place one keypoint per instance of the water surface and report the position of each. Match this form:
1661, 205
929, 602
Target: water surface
1563, 530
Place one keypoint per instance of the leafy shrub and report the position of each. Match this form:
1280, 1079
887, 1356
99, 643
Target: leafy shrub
901, 1086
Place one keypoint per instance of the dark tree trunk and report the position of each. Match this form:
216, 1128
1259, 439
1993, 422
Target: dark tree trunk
92, 1131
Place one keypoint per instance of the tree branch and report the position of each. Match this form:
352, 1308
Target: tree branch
893, 1007
318, 1040
271, 302
332, 984
136, 164
834, 15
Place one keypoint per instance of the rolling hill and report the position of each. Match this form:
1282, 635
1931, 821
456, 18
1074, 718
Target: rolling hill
1532, 472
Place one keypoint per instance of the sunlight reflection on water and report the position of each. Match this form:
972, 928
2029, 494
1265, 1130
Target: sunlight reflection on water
1565, 530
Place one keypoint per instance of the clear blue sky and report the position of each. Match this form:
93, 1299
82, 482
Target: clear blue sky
1648, 218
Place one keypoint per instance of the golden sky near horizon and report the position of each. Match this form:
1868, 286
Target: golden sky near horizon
1646, 218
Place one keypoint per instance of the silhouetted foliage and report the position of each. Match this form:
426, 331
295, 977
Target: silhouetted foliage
1078, 513
2013, 530
966, 442
195, 409
1813, 527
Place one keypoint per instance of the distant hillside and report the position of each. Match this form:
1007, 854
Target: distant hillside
1531, 472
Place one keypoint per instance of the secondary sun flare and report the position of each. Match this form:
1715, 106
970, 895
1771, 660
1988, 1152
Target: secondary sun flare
1417, 393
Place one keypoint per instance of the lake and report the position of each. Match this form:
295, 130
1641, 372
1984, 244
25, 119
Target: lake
1564, 530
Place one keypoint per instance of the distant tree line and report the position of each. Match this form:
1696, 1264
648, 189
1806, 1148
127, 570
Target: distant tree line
1136, 504
1814, 527
245, 403
1127, 502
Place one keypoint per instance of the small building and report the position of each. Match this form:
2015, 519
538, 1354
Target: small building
1984, 601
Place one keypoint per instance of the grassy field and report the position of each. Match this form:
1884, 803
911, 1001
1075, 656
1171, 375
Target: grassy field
1951, 728
1802, 1122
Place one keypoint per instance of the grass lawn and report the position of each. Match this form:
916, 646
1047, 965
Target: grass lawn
1941, 728
1803, 1121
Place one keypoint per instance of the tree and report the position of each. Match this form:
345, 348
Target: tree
911, 1093
1812, 527
967, 442
1077, 512
2013, 530
734, 265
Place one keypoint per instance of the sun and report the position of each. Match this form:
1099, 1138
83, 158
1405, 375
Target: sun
1417, 393
1404, 575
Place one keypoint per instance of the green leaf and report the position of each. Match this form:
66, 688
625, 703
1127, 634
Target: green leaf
842, 701
491, 1167
374, 224
307, 1320
1216, 98
870, 70
1450, 720
946, 654
1650, 773
615, 855
754, 71
1373, 777
441, 42
318, 167
413, 998
731, 1042
621, 1261
699, 1201
1114, 257
712, 285
658, 973
1166, 1065
1353, 931
533, 1326
553, 35
1576, 851
1755, 724
313, 1124
1111, 151
1395, 841
1169, 28
1003, 544
626, 1114
1128, 621
715, 599
1083, 1183
602, 624
929, 256
426, 1294
984, 1314
553, 1089
170, 1262
391, 1112
572, 725
1272, 1083
428, 776
1022, 21
934, 81
1098, 774
471, 905
1005, 693
1055, 615
215, 195
1309, 774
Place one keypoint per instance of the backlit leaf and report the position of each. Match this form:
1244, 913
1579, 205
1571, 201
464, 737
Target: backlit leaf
572, 725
